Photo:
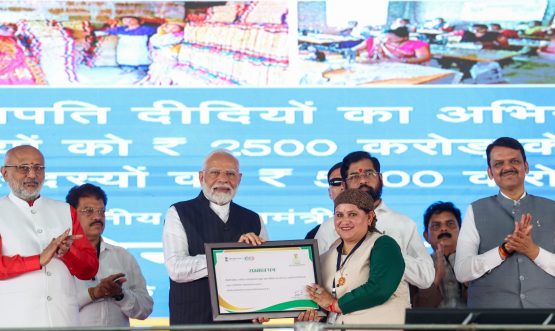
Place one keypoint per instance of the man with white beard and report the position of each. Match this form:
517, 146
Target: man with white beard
37, 284
209, 218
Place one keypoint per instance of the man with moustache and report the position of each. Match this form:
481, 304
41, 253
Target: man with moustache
361, 171
505, 248
37, 287
118, 291
335, 186
442, 221
209, 218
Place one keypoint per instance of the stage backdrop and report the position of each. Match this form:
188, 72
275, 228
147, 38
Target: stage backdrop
144, 147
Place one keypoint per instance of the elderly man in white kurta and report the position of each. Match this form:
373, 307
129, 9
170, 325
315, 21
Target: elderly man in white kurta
42, 248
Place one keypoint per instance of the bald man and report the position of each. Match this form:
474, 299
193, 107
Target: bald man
42, 247
210, 217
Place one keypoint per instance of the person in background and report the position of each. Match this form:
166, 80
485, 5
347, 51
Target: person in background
402, 22
132, 50
535, 29
442, 221
164, 49
335, 187
507, 33
360, 170
118, 291
505, 248
395, 46
438, 23
362, 272
37, 284
16, 66
548, 51
209, 218
488, 39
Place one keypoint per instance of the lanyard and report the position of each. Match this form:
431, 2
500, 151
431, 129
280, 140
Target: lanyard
340, 264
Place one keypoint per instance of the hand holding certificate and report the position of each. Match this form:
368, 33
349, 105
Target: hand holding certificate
267, 280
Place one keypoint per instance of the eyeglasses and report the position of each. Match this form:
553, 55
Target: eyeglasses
335, 181
25, 169
89, 211
215, 173
437, 225
355, 177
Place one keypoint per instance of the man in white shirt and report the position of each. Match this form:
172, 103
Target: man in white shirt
505, 248
361, 171
118, 291
208, 218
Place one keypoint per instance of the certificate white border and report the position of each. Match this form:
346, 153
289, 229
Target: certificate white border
210, 248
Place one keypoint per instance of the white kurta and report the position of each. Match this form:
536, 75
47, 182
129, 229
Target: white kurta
42, 298
132, 50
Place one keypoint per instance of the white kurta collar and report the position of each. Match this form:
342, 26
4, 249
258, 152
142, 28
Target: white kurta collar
523, 195
22, 203
221, 210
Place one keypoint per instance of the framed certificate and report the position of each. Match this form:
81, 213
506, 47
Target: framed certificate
261, 281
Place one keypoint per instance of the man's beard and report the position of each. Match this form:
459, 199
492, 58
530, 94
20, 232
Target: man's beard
218, 198
375, 194
20, 191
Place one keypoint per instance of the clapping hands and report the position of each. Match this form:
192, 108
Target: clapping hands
109, 286
521, 239
58, 247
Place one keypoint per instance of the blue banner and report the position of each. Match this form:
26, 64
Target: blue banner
145, 146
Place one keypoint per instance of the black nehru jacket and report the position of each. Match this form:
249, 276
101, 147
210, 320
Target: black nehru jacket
190, 302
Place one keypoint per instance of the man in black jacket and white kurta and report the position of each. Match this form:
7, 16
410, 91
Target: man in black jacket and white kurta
210, 217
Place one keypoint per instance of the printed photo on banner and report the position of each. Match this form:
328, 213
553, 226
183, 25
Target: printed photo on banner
254, 43
425, 42
144, 43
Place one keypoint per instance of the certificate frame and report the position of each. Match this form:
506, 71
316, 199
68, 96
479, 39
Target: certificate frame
223, 310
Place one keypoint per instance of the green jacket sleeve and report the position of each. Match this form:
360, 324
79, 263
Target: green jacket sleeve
386, 271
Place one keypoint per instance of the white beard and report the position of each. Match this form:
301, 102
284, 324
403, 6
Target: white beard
218, 198
20, 192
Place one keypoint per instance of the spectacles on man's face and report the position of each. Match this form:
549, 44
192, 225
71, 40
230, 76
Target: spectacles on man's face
355, 177
335, 181
25, 169
451, 224
214, 173
89, 211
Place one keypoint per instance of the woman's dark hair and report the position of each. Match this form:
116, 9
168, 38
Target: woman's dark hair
401, 32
